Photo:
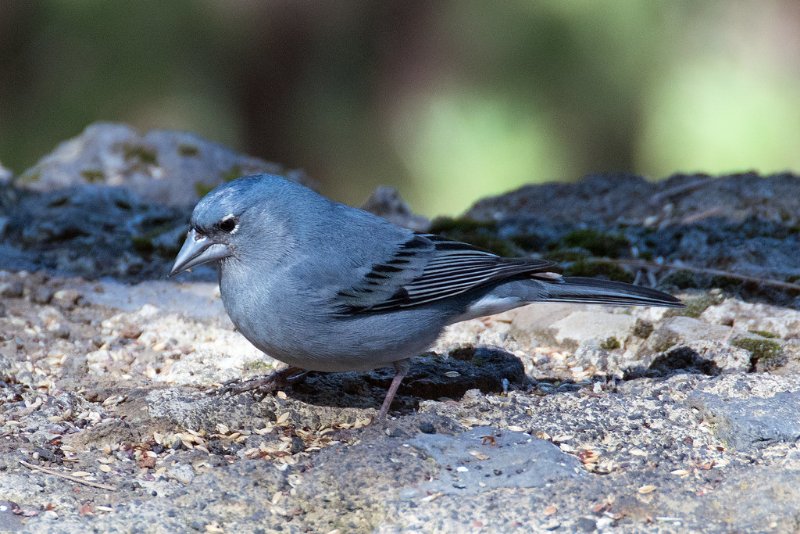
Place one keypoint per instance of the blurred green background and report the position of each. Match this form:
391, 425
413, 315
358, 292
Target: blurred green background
447, 100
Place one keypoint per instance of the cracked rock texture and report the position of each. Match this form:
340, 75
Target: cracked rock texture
553, 417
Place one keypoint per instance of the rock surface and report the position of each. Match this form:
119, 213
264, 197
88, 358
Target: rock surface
161, 166
550, 417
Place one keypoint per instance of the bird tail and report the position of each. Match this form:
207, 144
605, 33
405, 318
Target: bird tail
594, 291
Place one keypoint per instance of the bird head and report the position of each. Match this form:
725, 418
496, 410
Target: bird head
234, 219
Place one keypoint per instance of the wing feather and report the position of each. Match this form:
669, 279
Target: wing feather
427, 268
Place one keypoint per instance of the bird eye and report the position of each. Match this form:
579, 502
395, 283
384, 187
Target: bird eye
227, 225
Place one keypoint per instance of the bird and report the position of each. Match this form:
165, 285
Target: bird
322, 286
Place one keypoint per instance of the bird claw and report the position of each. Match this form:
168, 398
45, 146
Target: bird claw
262, 385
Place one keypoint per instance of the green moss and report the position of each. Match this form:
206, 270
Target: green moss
258, 366
694, 307
726, 282
202, 189
29, 177
598, 243
642, 328
594, 269
664, 344
143, 244
681, 280
764, 333
610, 344
187, 150
444, 225
566, 255
529, 242
232, 173
480, 234
759, 349
141, 153
93, 175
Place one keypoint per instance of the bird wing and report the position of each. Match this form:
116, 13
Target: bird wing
427, 268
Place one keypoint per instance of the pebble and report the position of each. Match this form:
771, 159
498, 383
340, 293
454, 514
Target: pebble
427, 428
42, 295
586, 524
66, 298
11, 289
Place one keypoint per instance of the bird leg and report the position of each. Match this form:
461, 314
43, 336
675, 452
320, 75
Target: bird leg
401, 368
265, 384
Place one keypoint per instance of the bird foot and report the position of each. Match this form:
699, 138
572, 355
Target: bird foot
263, 385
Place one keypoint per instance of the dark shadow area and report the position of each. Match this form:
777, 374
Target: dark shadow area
678, 360
431, 377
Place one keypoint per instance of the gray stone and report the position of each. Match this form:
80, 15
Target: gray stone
706, 357
114, 224
11, 289
750, 231
387, 202
752, 422
10, 513
584, 326
684, 330
66, 298
485, 457
160, 166
755, 316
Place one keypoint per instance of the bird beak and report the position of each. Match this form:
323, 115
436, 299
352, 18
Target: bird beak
196, 250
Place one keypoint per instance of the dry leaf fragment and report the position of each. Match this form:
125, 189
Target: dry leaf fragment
479, 455
550, 510
588, 456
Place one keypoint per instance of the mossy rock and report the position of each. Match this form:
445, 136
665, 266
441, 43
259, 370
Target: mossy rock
93, 175
642, 329
694, 307
149, 242
765, 353
188, 150
529, 242
764, 333
682, 280
568, 255
141, 153
611, 343
232, 174
478, 233
597, 269
598, 243
202, 189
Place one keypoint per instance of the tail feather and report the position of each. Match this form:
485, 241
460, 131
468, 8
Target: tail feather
593, 290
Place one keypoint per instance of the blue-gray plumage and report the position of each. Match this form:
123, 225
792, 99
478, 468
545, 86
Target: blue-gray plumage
322, 286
